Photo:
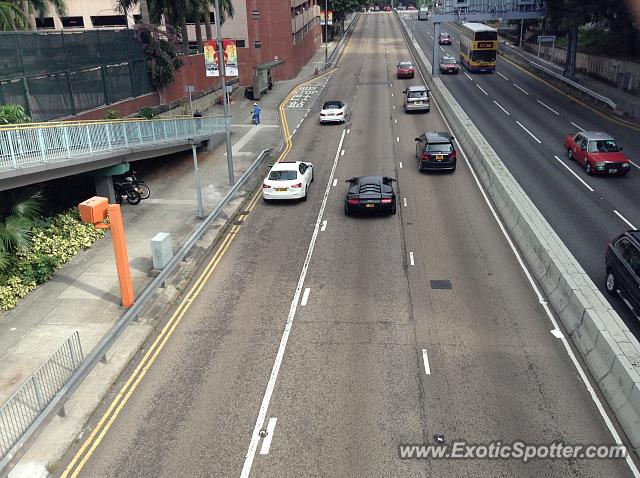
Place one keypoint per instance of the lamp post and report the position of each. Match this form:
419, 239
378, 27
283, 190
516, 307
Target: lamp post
196, 172
326, 33
227, 120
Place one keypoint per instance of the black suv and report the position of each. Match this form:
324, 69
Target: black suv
623, 268
435, 151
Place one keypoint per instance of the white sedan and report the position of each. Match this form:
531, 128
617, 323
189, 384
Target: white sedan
333, 112
288, 180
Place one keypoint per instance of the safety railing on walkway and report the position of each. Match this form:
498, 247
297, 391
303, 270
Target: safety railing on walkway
26, 405
31, 144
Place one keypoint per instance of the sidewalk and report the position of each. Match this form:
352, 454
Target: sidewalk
84, 294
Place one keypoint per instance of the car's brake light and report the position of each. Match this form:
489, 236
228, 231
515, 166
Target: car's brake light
386, 200
426, 156
265, 186
353, 201
299, 185
452, 154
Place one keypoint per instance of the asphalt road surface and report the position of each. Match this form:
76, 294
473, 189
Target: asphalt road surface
372, 356
525, 121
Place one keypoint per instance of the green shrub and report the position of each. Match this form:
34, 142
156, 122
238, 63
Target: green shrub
13, 114
54, 241
113, 114
146, 112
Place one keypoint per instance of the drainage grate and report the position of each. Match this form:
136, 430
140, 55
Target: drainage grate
441, 284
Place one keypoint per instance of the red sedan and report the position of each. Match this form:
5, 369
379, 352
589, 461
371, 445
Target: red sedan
597, 153
405, 70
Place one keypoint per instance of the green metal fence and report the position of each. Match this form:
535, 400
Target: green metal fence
55, 74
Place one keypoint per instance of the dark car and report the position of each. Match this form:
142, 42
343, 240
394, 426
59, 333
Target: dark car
623, 269
435, 151
448, 64
444, 38
370, 194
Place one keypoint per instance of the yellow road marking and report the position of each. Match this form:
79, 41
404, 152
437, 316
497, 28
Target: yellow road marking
566, 95
108, 418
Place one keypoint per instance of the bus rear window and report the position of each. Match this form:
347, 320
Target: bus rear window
486, 36
483, 55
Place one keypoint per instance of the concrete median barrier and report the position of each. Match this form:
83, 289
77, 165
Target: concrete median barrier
610, 351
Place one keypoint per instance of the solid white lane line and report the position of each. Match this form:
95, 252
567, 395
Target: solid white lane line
624, 219
500, 106
400, 164
348, 131
502, 75
557, 334
481, 89
266, 399
324, 226
425, 361
545, 306
405, 202
335, 182
342, 153
576, 176
635, 164
305, 296
548, 107
579, 127
397, 139
442, 50
294, 131
530, 134
521, 89
411, 259
467, 75
266, 443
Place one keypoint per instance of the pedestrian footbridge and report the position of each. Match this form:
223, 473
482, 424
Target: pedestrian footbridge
35, 152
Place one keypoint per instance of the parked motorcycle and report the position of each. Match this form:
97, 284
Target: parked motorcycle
139, 184
127, 190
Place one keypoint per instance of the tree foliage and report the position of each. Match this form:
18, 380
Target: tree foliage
163, 57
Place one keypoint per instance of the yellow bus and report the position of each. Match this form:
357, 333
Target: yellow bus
478, 47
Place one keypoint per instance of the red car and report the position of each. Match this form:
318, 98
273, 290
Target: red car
444, 38
597, 153
387, 8
405, 70
448, 64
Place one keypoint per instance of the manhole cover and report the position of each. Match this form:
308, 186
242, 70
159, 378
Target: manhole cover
441, 284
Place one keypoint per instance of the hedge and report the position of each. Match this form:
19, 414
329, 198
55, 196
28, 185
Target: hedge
54, 242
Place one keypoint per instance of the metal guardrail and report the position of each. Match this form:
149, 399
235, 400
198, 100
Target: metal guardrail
28, 402
25, 145
98, 354
541, 66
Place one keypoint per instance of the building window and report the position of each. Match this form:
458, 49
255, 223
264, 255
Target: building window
137, 19
257, 44
72, 22
44, 23
212, 18
255, 14
240, 44
109, 21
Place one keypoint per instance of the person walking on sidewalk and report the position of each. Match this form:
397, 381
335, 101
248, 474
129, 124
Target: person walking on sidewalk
256, 113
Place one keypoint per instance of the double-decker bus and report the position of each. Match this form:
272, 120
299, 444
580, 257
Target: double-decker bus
478, 47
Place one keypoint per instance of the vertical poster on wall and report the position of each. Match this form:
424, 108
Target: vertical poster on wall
230, 58
210, 58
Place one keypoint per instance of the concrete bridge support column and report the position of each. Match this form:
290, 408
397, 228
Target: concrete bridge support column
104, 188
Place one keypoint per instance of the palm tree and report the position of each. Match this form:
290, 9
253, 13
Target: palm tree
15, 229
42, 7
11, 17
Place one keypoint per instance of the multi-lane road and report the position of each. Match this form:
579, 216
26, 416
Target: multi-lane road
334, 334
525, 120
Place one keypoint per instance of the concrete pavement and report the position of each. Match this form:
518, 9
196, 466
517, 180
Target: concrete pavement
84, 295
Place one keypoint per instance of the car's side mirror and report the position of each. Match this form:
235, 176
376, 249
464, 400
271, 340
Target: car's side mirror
404, 91
350, 180
418, 139
621, 148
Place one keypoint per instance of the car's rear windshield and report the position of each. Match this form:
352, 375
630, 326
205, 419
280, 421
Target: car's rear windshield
418, 94
449, 61
332, 105
439, 148
405, 64
283, 175
603, 146
445, 35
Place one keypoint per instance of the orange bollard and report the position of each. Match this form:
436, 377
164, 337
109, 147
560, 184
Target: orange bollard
96, 210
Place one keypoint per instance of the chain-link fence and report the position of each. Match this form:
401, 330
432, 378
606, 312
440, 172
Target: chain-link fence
57, 74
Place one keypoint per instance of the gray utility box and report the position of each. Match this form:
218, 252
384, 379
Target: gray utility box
161, 250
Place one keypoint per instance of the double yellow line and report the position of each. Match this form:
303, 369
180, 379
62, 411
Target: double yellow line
109, 417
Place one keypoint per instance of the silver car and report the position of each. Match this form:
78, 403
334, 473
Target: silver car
416, 98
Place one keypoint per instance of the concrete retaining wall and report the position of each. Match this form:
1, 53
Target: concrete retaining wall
607, 346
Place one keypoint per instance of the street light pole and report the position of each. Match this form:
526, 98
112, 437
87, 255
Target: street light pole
326, 34
227, 119
196, 172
